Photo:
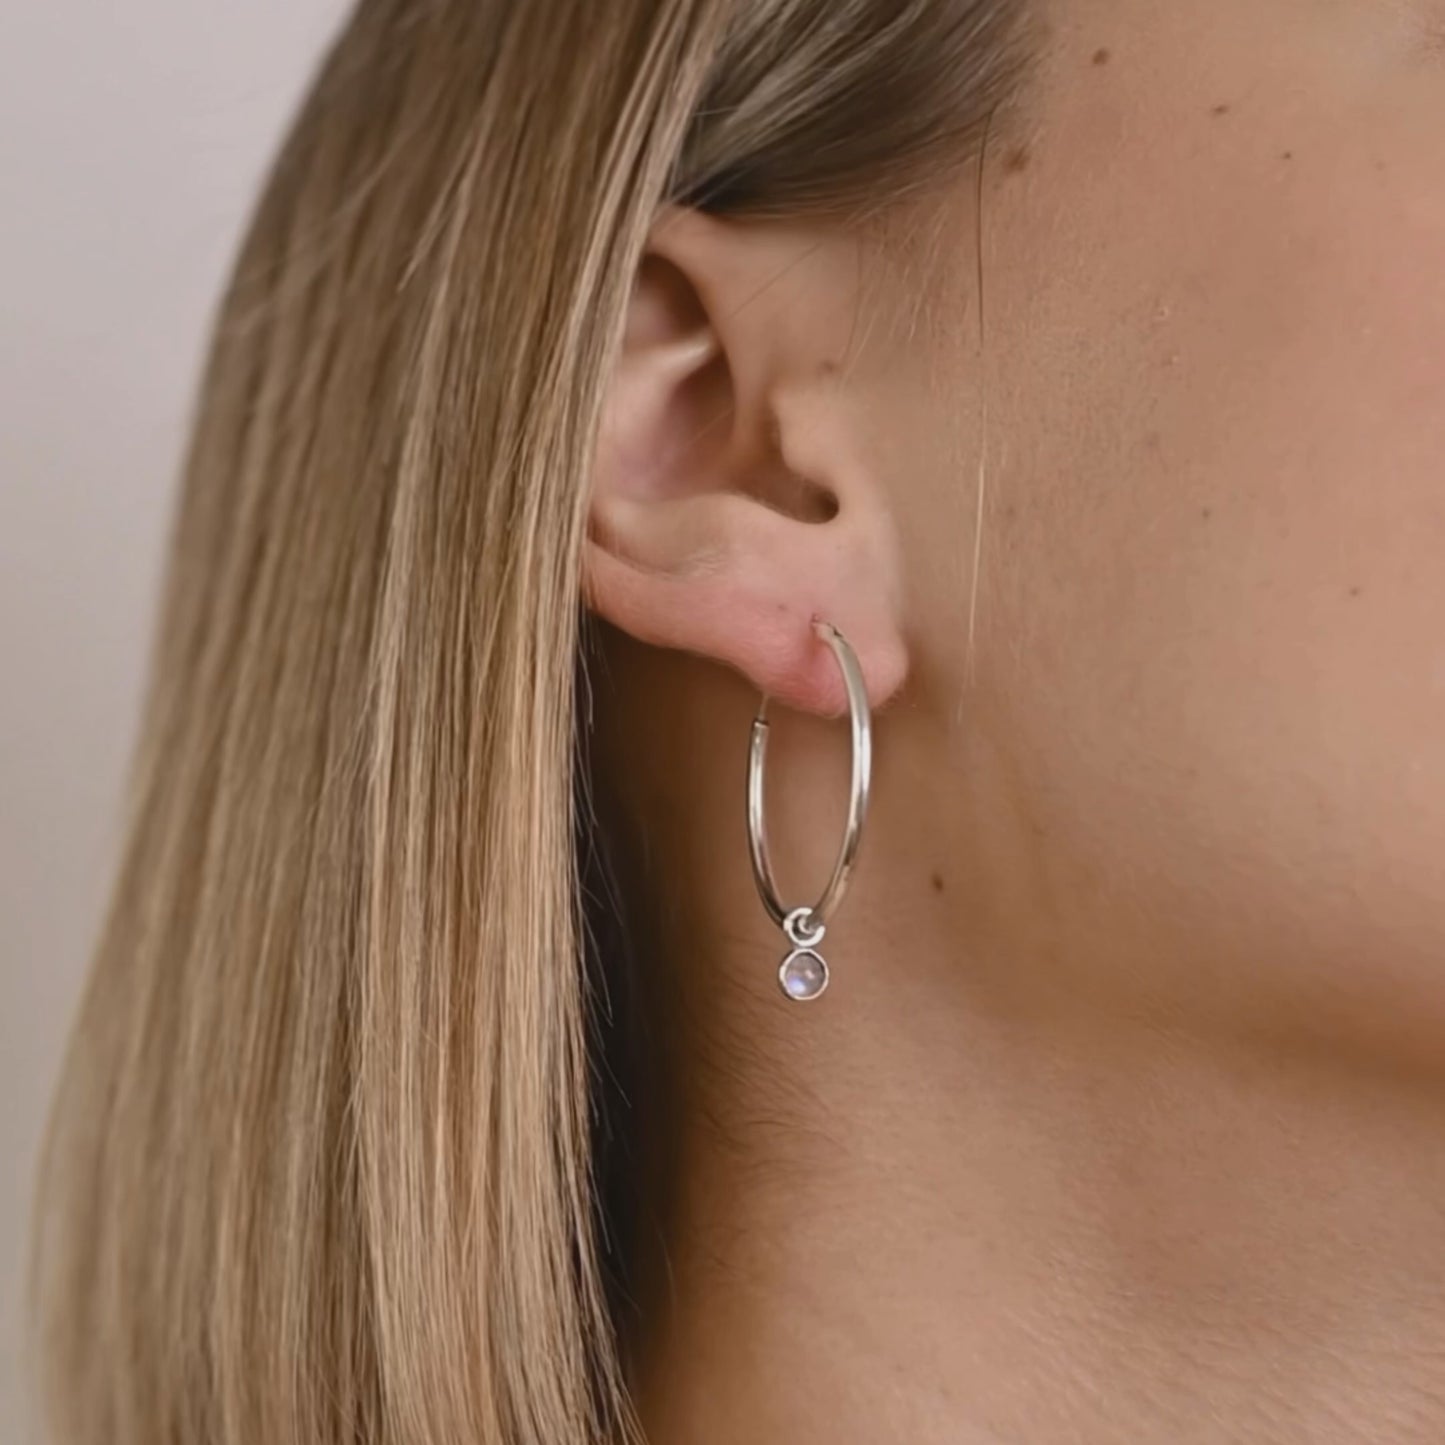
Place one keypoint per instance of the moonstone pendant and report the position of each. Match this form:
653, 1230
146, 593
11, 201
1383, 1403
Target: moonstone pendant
803, 975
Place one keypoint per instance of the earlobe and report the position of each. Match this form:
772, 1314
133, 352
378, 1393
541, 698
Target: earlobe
726, 577
718, 422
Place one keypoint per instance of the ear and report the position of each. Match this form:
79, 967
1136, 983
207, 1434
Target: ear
733, 505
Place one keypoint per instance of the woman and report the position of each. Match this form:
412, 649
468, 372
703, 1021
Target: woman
1065, 376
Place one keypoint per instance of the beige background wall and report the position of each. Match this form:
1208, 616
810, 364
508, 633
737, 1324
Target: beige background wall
132, 137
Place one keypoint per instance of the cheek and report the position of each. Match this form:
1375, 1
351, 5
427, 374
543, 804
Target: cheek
1220, 578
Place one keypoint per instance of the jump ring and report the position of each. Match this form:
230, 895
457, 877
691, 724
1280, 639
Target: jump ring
803, 929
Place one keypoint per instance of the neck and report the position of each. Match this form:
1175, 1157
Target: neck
902, 1219
1014, 1177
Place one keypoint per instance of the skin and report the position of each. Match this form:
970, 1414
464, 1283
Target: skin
1123, 1118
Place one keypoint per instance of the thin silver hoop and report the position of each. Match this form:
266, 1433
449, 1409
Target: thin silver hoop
803, 974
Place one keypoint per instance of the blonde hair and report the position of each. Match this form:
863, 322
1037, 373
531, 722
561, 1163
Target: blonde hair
319, 1168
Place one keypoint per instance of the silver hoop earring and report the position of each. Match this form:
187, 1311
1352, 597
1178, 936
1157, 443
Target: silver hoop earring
803, 974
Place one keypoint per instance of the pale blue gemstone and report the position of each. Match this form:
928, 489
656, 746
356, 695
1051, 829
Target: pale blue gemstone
803, 975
